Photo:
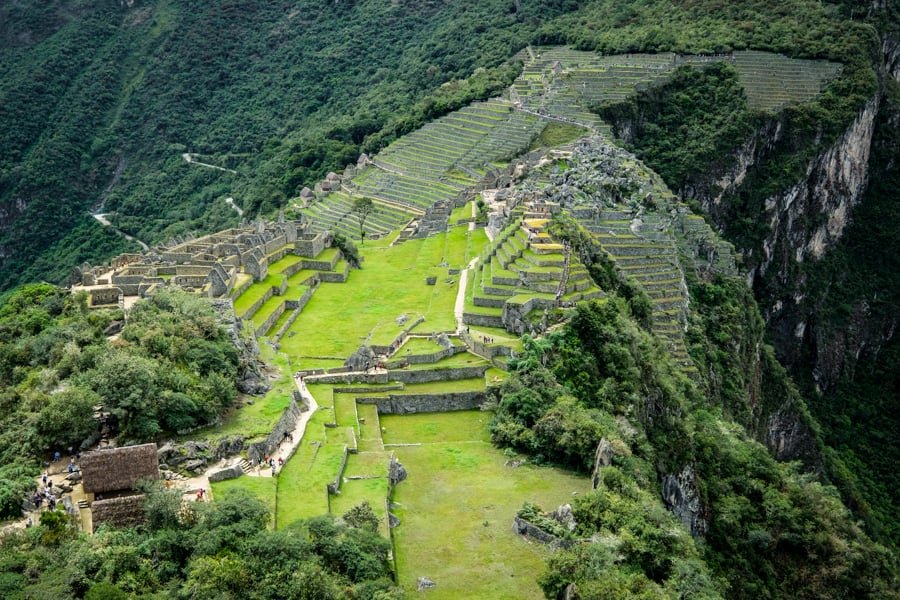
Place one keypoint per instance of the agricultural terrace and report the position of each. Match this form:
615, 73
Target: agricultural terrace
563, 82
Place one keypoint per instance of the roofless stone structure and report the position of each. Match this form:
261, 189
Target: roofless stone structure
211, 265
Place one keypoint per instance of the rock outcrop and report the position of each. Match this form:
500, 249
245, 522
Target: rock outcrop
682, 497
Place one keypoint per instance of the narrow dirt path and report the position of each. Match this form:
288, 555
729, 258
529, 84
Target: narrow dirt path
189, 158
460, 305
230, 202
101, 218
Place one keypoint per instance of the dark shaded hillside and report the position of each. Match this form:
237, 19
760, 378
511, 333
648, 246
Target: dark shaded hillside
92, 90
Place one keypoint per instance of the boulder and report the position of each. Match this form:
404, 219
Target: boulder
228, 446
563, 514
396, 472
231, 472
113, 328
195, 465
424, 583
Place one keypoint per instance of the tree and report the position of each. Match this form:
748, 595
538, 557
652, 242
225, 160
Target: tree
362, 516
362, 207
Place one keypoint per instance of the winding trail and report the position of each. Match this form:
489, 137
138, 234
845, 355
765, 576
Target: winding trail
101, 218
189, 158
230, 202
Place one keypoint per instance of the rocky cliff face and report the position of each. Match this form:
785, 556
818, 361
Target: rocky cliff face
803, 223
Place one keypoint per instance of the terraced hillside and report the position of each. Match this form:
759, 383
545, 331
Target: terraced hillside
563, 82
334, 212
443, 158
435, 167
525, 272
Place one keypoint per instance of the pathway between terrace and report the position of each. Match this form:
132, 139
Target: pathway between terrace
189, 158
460, 306
284, 451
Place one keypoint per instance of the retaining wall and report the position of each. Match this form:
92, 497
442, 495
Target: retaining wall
256, 305
483, 320
270, 320
335, 484
523, 527
286, 424
425, 403
428, 375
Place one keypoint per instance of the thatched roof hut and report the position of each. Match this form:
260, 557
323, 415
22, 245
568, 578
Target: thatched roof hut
124, 511
118, 469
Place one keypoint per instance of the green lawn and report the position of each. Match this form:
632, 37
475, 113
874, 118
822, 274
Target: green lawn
374, 467
257, 419
419, 346
391, 283
463, 359
457, 505
284, 263
255, 292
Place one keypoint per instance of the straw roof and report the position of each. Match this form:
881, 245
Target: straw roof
124, 511
118, 469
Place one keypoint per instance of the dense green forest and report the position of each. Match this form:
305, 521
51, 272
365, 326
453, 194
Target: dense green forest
211, 551
172, 367
693, 125
777, 532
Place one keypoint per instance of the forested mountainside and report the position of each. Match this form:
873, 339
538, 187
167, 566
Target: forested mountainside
721, 355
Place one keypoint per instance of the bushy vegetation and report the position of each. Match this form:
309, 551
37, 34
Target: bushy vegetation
691, 123
173, 367
219, 550
772, 530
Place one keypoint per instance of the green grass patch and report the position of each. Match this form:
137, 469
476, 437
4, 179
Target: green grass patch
257, 419
463, 359
255, 292
461, 212
442, 387
282, 264
391, 283
430, 428
557, 134
456, 508
419, 346
268, 307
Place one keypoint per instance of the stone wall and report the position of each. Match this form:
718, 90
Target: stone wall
388, 350
419, 359
310, 246
296, 306
256, 305
335, 484
335, 276
231, 472
526, 528
241, 288
483, 320
270, 320
286, 424
427, 375
425, 403
486, 351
